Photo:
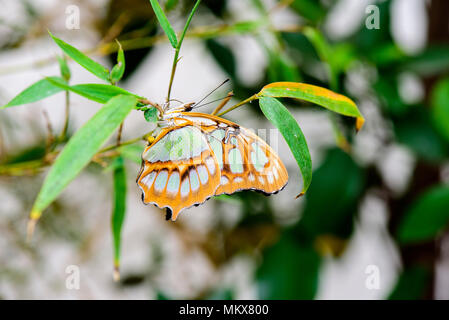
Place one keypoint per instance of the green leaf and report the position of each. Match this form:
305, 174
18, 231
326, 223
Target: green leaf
165, 24
320, 96
332, 200
132, 152
223, 55
415, 130
83, 60
412, 284
98, 92
119, 210
37, 91
81, 148
243, 27
319, 42
151, 114
290, 130
337, 56
309, 9
282, 68
171, 4
440, 107
64, 68
433, 61
186, 26
119, 69
289, 270
426, 218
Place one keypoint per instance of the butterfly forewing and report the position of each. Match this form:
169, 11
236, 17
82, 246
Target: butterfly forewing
179, 169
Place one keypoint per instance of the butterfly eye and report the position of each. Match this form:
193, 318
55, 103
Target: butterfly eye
189, 106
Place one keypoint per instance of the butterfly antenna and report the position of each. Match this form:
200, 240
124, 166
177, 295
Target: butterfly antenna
229, 96
211, 93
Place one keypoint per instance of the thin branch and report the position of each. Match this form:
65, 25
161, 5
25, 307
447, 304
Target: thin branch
252, 98
201, 32
67, 115
117, 27
119, 134
223, 103
50, 136
34, 166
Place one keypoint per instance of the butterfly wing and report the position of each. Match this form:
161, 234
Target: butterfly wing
179, 169
246, 162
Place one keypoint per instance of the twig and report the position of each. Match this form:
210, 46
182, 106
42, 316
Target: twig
202, 32
119, 134
223, 103
34, 166
2, 146
158, 107
252, 98
67, 115
117, 27
50, 136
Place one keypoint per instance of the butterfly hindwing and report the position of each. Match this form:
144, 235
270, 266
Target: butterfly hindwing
179, 169
246, 161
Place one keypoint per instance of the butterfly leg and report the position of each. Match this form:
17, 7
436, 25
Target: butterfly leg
223, 103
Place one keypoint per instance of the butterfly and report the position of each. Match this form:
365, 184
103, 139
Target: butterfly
195, 156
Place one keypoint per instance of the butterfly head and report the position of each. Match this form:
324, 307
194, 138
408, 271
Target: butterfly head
167, 113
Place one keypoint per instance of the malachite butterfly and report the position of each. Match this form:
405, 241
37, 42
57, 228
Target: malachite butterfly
194, 156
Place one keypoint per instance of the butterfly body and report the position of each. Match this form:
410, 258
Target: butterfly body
196, 156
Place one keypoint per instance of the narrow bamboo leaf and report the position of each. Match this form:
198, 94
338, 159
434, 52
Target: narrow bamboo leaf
440, 107
119, 69
64, 68
165, 24
98, 92
151, 114
324, 51
224, 56
290, 130
320, 96
413, 283
247, 26
281, 67
309, 9
118, 213
37, 91
186, 26
428, 216
132, 152
171, 4
81, 148
83, 60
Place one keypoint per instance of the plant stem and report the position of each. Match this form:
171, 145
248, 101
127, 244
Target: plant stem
201, 32
252, 98
119, 134
67, 115
33, 166
178, 48
223, 103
